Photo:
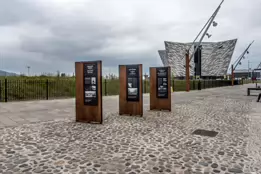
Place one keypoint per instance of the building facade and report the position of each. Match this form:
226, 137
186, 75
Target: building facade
215, 58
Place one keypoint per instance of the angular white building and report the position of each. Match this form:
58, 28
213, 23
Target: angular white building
215, 57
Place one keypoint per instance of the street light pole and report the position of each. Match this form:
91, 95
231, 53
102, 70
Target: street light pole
238, 61
208, 26
187, 72
242, 55
232, 75
188, 58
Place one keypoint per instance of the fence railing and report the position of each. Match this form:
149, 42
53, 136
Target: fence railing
19, 90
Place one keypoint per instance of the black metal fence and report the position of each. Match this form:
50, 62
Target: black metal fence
45, 89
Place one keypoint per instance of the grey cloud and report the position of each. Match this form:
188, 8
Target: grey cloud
13, 12
59, 46
60, 38
69, 41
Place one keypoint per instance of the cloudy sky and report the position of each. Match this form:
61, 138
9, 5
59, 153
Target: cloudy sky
50, 35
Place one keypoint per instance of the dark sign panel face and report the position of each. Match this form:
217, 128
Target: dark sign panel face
133, 85
162, 82
90, 84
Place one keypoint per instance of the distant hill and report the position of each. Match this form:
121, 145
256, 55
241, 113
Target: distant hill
4, 73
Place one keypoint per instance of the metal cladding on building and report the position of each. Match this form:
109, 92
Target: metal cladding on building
216, 57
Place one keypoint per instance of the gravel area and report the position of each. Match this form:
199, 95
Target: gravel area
159, 142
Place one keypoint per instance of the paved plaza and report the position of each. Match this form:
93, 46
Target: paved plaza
42, 136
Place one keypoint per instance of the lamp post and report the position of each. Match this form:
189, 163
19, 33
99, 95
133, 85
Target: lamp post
188, 58
232, 75
187, 72
238, 62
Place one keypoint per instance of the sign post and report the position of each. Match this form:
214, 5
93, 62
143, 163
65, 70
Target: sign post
160, 86
130, 98
88, 91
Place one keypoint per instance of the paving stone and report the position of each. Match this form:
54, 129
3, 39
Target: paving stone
216, 171
214, 165
221, 153
38, 170
234, 170
26, 170
223, 168
23, 165
203, 164
21, 161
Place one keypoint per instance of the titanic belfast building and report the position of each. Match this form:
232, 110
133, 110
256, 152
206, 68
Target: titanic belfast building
211, 60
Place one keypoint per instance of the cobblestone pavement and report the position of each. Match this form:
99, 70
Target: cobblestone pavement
159, 142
